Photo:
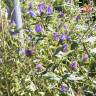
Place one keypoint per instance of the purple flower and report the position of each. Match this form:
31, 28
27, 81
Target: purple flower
65, 47
41, 8
13, 33
12, 21
38, 28
54, 36
32, 13
49, 11
29, 52
30, 5
84, 57
62, 38
74, 65
63, 89
39, 66
77, 17
61, 14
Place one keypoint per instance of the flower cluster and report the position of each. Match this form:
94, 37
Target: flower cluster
41, 9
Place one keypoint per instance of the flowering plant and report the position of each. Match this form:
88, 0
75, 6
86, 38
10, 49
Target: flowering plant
59, 58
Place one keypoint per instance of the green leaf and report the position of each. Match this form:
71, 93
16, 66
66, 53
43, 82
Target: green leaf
58, 2
57, 50
74, 45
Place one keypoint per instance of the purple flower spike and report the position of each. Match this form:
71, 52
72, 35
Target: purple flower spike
39, 66
38, 28
54, 36
29, 52
41, 8
63, 89
65, 48
62, 38
77, 17
49, 11
30, 5
32, 13
74, 65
